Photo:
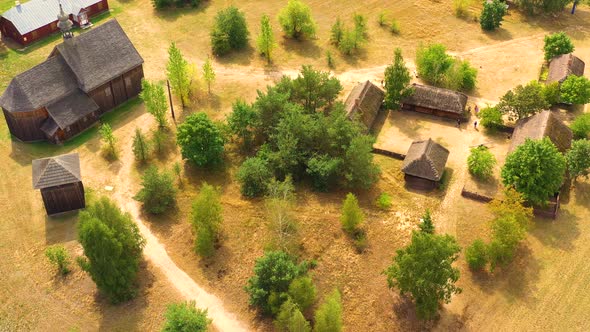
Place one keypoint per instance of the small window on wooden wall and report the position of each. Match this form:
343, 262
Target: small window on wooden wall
128, 82
107, 91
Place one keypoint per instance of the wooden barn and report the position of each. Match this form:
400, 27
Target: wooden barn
84, 77
364, 103
37, 19
563, 66
540, 125
436, 101
60, 183
424, 164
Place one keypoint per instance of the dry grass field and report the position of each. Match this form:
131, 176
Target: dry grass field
545, 288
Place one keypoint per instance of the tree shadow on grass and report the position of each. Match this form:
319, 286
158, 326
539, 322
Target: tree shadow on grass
242, 57
306, 48
171, 14
559, 233
500, 34
360, 54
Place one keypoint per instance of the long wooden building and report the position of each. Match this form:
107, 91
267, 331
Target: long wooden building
60, 182
36, 19
436, 101
84, 77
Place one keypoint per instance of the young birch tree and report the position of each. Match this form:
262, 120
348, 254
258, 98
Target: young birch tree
266, 40
208, 74
178, 72
154, 97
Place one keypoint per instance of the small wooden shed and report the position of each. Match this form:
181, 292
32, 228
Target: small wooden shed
436, 101
364, 102
60, 182
563, 66
424, 164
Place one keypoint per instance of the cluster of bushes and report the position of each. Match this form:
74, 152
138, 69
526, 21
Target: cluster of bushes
438, 68
299, 130
348, 40
185, 316
492, 14
509, 226
230, 31
159, 4
581, 126
533, 7
481, 162
158, 193
393, 23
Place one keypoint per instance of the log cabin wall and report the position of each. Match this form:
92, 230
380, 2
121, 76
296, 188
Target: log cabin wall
63, 198
118, 91
103, 97
75, 129
419, 183
26, 125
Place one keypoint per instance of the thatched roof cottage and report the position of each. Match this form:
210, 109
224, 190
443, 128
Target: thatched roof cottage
60, 182
538, 126
424, 164
563, 66
364, 103
437, 101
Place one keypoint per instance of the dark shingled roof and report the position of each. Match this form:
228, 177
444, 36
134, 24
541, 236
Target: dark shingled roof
56, 171
99, 55
426, 159
71, 108
364, 101
38, 86
437, 98
544, 124
563, 66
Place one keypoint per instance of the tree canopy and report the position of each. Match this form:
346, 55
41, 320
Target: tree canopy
438, 68
535, 169
154, 98
397, 81
266, 40
296, 20
328, 317
230, 31
556, 44
575, 90
178, 72
481, 162
158, 193
206, 219
492, 14
185, 317
200, 140
578, 158
523, 101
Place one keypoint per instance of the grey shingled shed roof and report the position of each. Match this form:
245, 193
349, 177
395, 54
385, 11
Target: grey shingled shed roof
33, 14
56, 171
71, 108
544, 124
563, 66
426, 159
39, 86
437, 98
364, 101
100, 55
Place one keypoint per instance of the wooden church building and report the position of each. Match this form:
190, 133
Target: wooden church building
60, 182
84, 77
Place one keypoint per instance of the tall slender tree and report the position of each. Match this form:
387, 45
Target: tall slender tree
397, 81
141, 146
266, 40
154, 98
178, 72
208, 74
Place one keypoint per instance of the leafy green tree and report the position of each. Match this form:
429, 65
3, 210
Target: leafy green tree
200, 140
266, 40
107, 137
552, 93
481, 162
273, 273
360, 26
492, 14
581, 126
523, 101
112, 248
290, 318
230, 31
433, 63
154, 98
424, 270
476, 255
578, 159
556, 44
279, 206
426, 225
337, 32
349, 42
461, 76
535, 169
397, 81
206, 219
352, 216
575, 90
178, 72
242, 121
323, 170
491, 118
303, 292
141, 146
270, 107
254, 175
314, 89
296, 20
506, 236
360, 171
208, 74
158, 193
512, 205
328, 317
185, 317
58, 256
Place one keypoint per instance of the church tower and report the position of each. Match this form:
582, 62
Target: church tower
64, 23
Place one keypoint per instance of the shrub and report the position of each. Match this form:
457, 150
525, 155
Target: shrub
461, 76
481, 162
476, 255
328, 317
581, 126
578, 158
426, 225
384, 201
242, 122
492, 14
230, 31
329, 59
157, 193
296, 20
141, 146
556, 44
352, 215
551, 93
575, 90
108, 138
461, 7
382, 19
433, 63
394, 26
506, 236
112, 247
337, 32
185, 317
303, 292
58, 256
206, 220
200, 140
290, 318
323, 171
523, 101
491, 118
254, 175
